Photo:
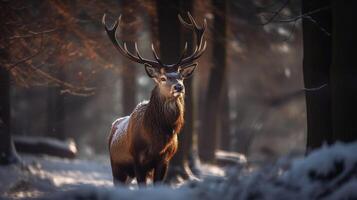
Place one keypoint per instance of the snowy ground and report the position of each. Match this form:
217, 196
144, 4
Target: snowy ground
44, 176
41, 176
330, 173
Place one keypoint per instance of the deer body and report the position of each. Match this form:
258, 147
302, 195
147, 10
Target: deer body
142, 144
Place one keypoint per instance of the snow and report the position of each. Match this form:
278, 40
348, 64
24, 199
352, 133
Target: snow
329, 173
41, 176
121, 125
326, 173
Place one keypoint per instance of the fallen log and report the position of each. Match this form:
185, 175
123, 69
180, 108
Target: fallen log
225, 158
46, 145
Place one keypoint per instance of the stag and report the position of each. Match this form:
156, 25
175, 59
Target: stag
142, 144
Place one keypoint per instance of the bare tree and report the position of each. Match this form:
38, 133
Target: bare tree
56, 106
225, 137
22, 41
129, 32
8, 153
343, 71
208, 134
169, 27
316, 67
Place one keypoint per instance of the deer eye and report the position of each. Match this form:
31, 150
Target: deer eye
162, 79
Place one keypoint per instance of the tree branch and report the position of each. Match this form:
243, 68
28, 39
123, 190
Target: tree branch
32, 34
28, 57
276, 13
306, 16
69, 88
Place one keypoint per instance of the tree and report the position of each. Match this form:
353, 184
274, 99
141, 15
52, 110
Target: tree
8, 153
224, 123
343, 71
172, 39
129, 86
208, 134
329, 43
56, 107
55, 113
316, 69
22, 41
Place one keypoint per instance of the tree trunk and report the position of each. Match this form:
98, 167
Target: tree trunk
224, 122
55, 116
56, 112
171, 43
316, 65
208, 133
129, 32
129, 87
8, 153
344, 71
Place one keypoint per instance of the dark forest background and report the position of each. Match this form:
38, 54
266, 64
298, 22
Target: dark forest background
61, 78
67, 81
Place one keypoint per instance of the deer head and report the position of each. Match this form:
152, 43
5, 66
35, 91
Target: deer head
168, 77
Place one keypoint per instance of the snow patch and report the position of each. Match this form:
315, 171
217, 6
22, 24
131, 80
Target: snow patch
329, 173
121, 126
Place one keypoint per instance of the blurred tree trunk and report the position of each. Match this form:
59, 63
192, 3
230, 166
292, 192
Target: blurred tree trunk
208, 134
172, 39
8, 153
186, 135
316, 66
56, 110
129, 32
344, 71
224, 122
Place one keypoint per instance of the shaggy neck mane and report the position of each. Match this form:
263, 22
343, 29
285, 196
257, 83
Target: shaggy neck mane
164, 115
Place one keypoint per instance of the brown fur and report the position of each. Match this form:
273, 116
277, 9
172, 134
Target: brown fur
149, 141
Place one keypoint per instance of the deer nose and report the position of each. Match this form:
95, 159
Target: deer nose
178, 88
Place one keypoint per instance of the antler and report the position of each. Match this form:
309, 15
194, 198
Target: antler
199, 49
200, 45
124, 49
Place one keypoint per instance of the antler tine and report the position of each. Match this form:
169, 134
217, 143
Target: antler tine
202, 50
200, 46
137, 51
193, 22
183, 22
200, 42
103, 20
127, 52
204, 24
199, 50
196, 54
182, 55
111, 31
155, 55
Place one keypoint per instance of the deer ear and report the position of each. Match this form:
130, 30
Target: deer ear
187, 70
151, 71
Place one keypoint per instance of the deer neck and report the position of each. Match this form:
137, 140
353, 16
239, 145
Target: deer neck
164, 115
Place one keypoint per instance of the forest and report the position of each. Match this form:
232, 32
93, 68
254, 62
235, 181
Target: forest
226, 99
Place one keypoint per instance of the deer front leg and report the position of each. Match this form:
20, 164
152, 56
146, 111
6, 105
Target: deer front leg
119, 176
140, 174
160, 171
